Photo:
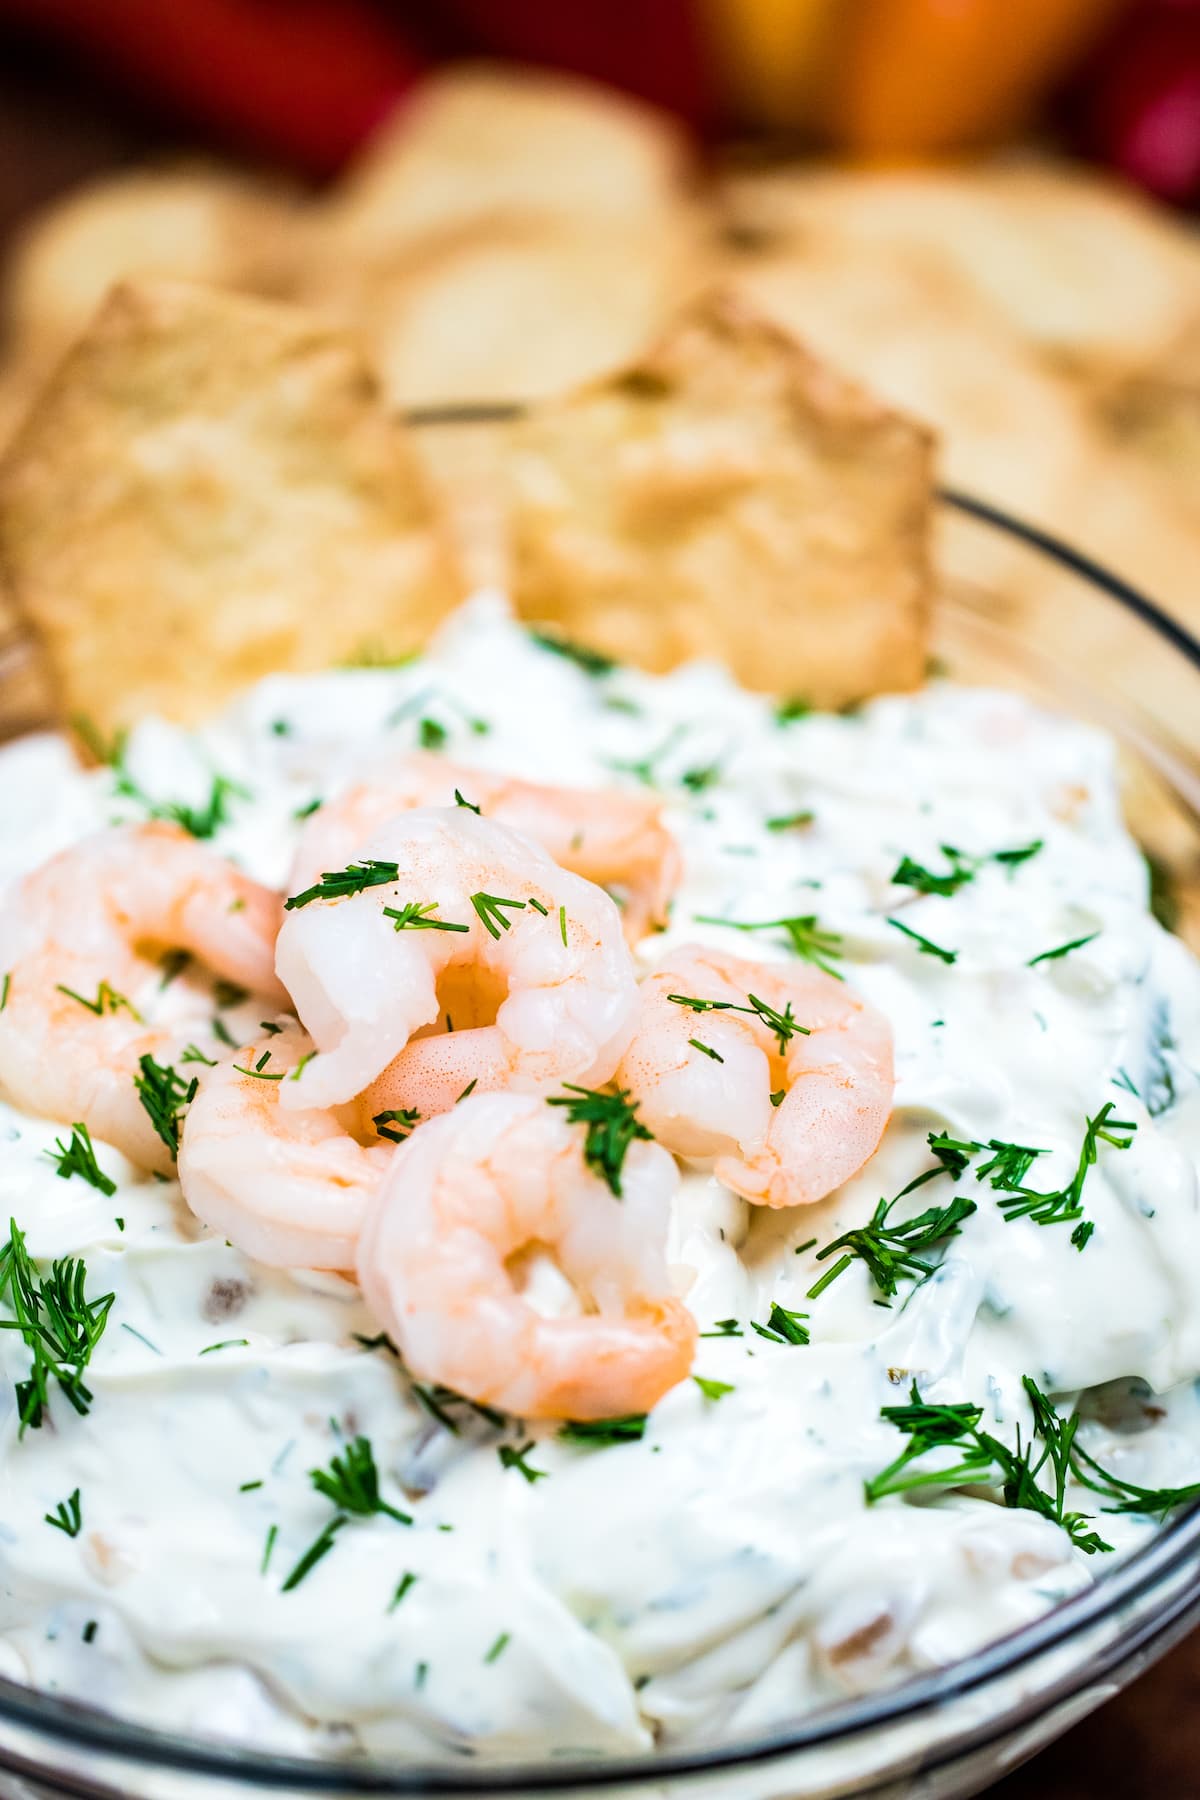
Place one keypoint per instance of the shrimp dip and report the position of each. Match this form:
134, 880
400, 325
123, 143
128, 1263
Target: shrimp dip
558, 1211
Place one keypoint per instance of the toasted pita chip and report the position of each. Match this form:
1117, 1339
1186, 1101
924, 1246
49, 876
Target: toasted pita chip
209, 490
487, 140
510, 311
728, 496
193, 223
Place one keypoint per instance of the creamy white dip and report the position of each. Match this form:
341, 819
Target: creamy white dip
724, 1571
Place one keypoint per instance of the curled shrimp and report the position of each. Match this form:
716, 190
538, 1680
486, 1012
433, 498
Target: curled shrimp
608, 836
81, 939
788, 1116
502, 968
463, 1198
288, 1188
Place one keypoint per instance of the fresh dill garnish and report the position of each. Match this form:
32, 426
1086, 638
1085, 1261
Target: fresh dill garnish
319, 1548
414, 915
783, 1024
351, 1483
539, 908
107, 1000
499, 1647
281, 728
193, 1054
406, 1581
777, 1096
1063, 1206
706, 1050
355, 878
723, 1328
467, 805
67, 1516
514, 1457
89, 1631
699, 780
983, 1458
598, 1432
105, 750
260, 1072
309, 808
612, 1125
431, 735
592, 662
914, 875
225, 1344
79, 1158
5, 985
222, 1032
562, 925
805, 934
893, 1253
926, 946
713, 1390
953, 1158
962, 868
1011, 859
268, 1547
60, 1325
469, 1089
791, 821
249, 1487
1062, 950
203, 821
489, 909
788, 711
782, 1326
396, 1123
438, 1401
166, 1097
229, 993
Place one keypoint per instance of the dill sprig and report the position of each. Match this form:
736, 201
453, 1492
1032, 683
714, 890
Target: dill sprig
79, 1158
984, 1459
107, 1001
962, 868
1062, 1206
1061, 950
515, 1457
783, 1024
397, 1123
166, 1096
600, 1432
355, 878
805, 934
60, 1325
592, 662
612, 1125
782, 1326
893, 1253
351, 1483
925, 946
67, 1515
489, 909
414, 915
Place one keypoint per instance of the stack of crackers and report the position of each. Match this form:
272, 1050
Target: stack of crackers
221, 400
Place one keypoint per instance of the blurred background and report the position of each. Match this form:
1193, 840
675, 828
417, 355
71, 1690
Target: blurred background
984, 209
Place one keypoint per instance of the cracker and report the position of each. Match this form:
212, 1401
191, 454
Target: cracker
727, 496
481, 141
193, 223
207, 491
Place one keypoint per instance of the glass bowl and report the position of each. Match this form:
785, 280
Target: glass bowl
1016, 609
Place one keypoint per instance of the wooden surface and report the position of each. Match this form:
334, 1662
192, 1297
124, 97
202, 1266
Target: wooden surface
56, 127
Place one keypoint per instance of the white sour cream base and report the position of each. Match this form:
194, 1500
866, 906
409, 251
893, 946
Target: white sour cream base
724, 1572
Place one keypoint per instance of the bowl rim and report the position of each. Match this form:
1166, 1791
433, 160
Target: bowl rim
76, 1725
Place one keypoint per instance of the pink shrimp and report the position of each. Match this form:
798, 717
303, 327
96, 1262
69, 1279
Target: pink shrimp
463, 1198
614, 838
779, 1071
81, 939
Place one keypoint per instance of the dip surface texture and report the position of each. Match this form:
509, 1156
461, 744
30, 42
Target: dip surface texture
724, 1571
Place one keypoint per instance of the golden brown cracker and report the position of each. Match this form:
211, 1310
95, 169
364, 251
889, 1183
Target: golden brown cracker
728, 496
209, 490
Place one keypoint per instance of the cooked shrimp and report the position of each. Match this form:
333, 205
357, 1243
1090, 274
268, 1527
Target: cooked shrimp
608, 836
288, 1188
465, 1196
79, 938
520, 966
787, 1116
